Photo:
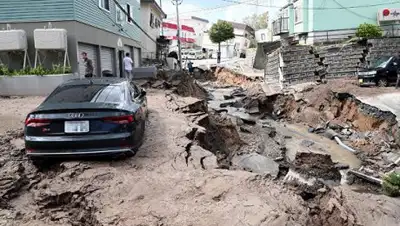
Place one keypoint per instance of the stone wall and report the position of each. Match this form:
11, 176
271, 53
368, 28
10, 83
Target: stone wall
299, 64
383, 47
341, 60
292, 64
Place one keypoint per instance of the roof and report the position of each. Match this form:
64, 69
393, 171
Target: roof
94, 81
200, 19
240, 26
163, 14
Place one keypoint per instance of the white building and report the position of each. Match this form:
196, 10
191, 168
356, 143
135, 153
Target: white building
152, 17
235, 46
199, 25
263, 35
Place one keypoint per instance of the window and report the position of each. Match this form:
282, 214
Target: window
87, 93
298, 15
120, 16
104, 4
262, 37
129, 12
151, 20
134, 91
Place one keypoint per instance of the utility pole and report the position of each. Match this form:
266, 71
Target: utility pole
178, 33
162, 20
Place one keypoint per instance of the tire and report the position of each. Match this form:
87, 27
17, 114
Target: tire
382, 82
131, 153
39, 163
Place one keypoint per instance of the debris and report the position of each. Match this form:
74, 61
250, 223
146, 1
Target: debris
366, 177
341, 166
256, 163
312, 162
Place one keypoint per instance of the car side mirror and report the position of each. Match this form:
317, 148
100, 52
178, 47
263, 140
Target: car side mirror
394, 64
143, 93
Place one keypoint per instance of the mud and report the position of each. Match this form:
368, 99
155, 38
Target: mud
183, 164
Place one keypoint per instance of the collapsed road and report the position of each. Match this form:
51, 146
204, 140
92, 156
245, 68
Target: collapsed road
214, 154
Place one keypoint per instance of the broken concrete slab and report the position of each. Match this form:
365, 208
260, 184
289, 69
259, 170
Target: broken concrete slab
256, 163
313, 162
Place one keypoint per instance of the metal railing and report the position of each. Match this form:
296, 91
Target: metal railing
280, 26
389, 31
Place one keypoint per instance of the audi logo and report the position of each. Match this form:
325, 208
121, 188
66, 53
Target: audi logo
76, 115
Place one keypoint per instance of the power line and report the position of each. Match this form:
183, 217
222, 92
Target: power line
119, 25
314, 8
355, 13
212, 8
133, 21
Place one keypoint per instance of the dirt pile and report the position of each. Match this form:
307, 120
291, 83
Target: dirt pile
228, 77
13, 176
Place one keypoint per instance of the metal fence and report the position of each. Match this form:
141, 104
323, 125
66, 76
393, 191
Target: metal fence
389, 31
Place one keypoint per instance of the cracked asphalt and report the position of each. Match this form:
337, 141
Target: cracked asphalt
160, 187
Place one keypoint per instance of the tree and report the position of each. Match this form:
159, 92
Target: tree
257, 22
366, 30
221, 32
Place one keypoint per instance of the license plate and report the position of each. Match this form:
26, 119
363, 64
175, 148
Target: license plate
76, 126
360, 81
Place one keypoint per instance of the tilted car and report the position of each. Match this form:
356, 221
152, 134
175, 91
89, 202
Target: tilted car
87, 117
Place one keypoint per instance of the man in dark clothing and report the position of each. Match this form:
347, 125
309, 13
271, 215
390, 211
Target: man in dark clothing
190, 67
88, 65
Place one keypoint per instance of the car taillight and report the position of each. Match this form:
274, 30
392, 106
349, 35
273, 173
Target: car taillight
126, 119
37, 122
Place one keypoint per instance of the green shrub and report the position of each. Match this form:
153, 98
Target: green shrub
39, 70
366, 30
391, 184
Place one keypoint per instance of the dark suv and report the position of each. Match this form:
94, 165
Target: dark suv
381, 72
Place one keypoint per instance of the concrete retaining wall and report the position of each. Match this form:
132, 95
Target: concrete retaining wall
31, 85
144, 72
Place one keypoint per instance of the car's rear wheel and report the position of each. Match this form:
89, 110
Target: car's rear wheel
131, 153
382, 82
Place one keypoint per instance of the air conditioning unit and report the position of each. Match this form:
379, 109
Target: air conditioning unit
13, 40
53, 38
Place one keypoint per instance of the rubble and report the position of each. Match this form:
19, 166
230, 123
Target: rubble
256, 163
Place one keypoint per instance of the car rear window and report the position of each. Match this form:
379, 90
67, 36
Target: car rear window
87, 93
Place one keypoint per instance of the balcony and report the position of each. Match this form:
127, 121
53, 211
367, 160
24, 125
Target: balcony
280, 26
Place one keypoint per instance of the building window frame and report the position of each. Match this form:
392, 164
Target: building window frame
152, 20
298, 13
105, 5
262, 37
129, 12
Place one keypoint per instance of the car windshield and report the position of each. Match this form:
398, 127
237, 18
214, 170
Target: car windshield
381, 62
191, 53
87, 93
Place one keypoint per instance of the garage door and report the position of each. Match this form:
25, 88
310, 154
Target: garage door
136, 57
91, 51
107, 59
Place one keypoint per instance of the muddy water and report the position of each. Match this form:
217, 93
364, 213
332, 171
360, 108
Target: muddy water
337, 153
297, 132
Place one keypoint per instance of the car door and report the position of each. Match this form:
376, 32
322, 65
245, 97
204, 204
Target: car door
140, 115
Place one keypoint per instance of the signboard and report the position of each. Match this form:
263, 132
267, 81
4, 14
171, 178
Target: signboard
389, 15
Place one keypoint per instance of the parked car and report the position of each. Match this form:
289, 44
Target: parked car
381, 72
87, 118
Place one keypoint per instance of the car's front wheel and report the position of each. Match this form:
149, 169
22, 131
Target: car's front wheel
382, 82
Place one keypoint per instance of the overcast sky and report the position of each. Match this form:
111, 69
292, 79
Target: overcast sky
213, 10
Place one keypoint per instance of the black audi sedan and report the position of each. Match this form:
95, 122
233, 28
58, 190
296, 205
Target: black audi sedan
87, 117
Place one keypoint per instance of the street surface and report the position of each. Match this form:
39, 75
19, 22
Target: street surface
162, 186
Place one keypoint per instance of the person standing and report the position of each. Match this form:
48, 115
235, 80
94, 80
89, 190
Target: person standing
190, 67
88, 65
128, 66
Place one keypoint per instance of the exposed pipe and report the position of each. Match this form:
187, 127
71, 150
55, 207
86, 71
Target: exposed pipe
343, 145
